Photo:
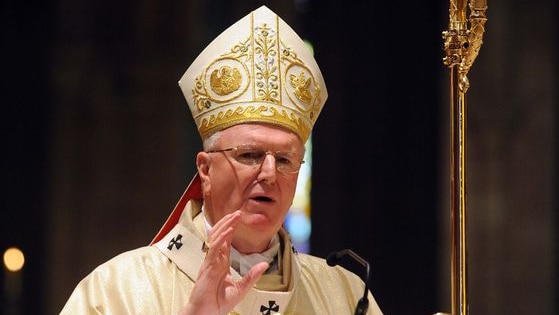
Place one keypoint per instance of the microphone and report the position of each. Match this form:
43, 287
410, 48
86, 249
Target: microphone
335, 258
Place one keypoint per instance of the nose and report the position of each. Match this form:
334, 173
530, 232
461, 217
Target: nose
268, 170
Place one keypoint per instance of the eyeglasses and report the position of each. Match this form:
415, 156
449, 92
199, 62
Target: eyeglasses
252, 155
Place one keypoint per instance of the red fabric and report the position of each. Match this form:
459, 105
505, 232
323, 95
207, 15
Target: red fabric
193, 191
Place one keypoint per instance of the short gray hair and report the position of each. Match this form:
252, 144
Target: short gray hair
211, 141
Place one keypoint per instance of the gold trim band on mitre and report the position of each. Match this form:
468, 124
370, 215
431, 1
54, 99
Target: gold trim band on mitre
268, 114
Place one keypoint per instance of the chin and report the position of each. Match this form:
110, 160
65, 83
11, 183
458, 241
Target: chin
260, 224
255, 219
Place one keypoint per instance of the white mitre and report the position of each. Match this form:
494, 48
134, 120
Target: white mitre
257, 71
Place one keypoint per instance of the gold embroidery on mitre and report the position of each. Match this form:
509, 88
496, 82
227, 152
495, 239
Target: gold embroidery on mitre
301, 87
225, 80
242, 49
283, 90
229, 74
201, 98
253, 113
304, 91
266, 73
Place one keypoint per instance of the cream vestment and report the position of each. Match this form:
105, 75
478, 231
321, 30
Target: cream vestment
158, 279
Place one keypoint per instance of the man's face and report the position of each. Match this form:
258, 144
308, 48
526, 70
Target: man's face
261, 192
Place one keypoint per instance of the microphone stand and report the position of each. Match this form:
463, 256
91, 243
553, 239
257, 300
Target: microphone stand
335, 258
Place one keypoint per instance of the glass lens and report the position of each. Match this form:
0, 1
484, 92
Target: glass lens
286, 162
249, 155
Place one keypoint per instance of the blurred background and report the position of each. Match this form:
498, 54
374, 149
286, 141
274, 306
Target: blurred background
98, 143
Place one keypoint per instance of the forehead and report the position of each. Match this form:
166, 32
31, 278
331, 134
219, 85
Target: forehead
273, 136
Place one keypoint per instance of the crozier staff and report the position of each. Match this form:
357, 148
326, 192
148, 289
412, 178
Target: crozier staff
255, 93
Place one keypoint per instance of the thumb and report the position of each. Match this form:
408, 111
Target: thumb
252, 277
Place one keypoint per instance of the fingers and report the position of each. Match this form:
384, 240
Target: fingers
251, 277
221, 236
215, 290
220, 244
230, 220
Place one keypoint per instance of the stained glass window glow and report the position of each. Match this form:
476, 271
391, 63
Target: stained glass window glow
298, 220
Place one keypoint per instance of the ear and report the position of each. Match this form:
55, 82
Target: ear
203, 166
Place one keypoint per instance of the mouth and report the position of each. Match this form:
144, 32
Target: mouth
265, 199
